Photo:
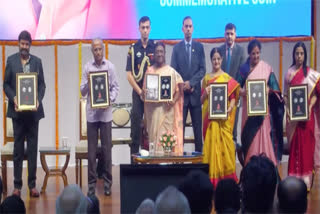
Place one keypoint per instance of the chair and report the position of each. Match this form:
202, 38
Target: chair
7, 149
121, 118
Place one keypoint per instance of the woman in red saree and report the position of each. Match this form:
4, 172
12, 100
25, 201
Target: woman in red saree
218, 148
302, 135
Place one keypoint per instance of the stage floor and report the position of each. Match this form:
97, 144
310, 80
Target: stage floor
111, 204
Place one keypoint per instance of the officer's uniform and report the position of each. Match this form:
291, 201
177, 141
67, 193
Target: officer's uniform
139, 58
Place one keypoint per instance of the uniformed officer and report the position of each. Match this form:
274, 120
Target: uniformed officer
140, 56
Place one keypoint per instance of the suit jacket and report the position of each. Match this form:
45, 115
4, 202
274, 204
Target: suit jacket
197, 70
237, 59
13, 67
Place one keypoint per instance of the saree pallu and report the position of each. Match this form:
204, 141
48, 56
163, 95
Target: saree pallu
218, 148
162, 117
262, 134
302, 135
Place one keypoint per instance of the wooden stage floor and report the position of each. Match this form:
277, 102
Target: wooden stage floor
111, 204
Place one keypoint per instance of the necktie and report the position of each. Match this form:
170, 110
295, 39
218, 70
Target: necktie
228, 60
189, 54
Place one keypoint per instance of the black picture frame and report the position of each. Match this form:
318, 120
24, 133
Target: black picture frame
298, 103
27, 91
218, 101
165, 88
257, 99
99, 89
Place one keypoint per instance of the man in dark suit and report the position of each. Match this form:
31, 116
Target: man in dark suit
233, 54
189, 61
233, 58
25, 123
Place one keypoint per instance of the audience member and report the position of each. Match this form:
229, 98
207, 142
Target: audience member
227, 197
71, 200
171, 200
198, 190
93, 205
146, 207
292, 195
12, 204
258, 182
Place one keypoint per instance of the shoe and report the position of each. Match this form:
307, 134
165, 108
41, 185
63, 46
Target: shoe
16, 192
107, 191
91, 192
34, 193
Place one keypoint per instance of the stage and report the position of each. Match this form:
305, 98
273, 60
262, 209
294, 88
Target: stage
111, 204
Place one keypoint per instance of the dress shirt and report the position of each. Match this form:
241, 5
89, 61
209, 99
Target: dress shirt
99, 115
231, 47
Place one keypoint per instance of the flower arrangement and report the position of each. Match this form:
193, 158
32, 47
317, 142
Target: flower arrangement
168, 141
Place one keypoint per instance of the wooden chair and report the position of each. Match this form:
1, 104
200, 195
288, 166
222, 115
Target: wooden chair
121, 118
7, 149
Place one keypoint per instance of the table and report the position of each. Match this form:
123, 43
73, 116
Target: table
45, 151
194, 157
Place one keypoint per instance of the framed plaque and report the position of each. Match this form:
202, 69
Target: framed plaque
298, 103
99, 89
257, 99
165, 88
218, 101
27, 91
152, 88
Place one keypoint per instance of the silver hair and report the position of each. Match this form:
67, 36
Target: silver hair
71, 200
146, 207
171, 200
95, 40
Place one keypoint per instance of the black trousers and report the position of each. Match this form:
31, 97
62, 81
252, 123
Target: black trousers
235, 127
25, 129
106, 146
196, 118
136, 119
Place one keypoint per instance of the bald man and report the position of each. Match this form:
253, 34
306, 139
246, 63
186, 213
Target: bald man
292, 195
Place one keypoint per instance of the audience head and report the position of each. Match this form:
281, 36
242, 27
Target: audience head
12, 204
198, 190
227, 197
93, 205
146, 207
258, 181
254, 50
71, 200
171, 200
292, 195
